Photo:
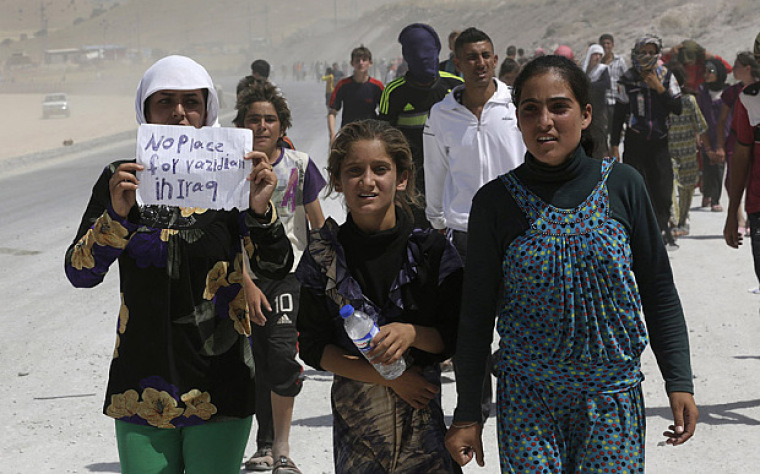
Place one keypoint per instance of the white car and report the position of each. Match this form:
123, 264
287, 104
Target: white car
55, 104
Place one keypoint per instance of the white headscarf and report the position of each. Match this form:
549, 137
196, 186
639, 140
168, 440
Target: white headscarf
599, 69
176, 73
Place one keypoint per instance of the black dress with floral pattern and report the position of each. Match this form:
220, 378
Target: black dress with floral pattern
183, 356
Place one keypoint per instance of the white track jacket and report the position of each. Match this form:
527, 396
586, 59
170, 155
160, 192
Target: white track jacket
463, 153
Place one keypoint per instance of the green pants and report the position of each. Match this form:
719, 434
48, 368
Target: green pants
205, 449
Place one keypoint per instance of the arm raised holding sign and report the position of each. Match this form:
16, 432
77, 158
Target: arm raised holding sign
123, 186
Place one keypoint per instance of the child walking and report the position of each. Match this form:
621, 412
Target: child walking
566, 250
262, 109
683, 139
408, 280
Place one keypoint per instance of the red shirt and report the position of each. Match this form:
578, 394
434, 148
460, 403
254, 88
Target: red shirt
748, 135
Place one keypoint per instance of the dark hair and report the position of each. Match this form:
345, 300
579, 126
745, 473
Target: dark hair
361, 52
520, 51
571, 73
747, 58
470, 35
395, 145
262, 92
679, 73
508, 65
261, 68
511, 50
606, 36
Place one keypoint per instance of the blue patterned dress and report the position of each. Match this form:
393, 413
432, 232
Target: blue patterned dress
571, 335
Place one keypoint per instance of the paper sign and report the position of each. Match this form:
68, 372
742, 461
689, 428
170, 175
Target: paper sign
194, 167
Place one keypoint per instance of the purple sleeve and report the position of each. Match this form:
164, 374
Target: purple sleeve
89, 258
313, 183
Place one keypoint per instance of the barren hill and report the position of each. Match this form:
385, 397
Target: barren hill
226, 34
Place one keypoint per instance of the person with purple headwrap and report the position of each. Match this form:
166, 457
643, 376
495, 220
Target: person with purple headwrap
648, 94
710, 103
407, 100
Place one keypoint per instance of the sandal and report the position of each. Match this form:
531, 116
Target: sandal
285, 466
262, 460
717, 208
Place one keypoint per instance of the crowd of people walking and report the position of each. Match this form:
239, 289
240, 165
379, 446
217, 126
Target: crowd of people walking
481, 194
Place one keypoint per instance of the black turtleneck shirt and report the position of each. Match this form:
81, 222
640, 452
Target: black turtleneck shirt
374, 260
496, 220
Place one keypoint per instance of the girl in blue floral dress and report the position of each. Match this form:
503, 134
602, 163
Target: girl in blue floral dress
409, 281
181, 384
568, 254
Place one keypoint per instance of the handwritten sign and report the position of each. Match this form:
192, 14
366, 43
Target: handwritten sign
193, 167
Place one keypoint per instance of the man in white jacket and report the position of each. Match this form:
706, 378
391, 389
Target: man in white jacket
470, 138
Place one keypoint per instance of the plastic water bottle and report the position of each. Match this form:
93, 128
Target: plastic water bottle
361, 329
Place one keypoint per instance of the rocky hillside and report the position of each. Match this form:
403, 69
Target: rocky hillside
226, 34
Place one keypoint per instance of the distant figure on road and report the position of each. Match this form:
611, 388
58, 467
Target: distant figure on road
599, 75
648, 95
358, 95
447, 65
259, 72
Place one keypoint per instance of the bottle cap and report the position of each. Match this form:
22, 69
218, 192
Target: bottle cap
346, 311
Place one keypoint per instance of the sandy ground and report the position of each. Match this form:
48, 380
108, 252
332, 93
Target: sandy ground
53, 364
92, 116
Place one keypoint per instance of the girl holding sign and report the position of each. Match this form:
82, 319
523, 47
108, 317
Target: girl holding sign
181, 382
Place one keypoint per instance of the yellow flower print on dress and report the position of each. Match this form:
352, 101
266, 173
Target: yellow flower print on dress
123, 405
166, 233
238, 311
123, 316
158, 408
82, 255
215, 279
248, 246
237, 275
198, 404
109, 233
116, 349
189, 211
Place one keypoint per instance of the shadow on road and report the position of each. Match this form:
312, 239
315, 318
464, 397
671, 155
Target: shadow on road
104, 467
724, 414
315, 421
702, 237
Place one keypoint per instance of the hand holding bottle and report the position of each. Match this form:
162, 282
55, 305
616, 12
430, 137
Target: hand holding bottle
362, 329
391, 342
